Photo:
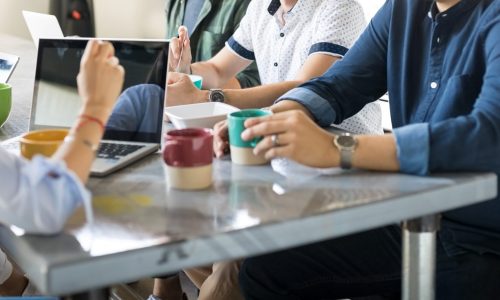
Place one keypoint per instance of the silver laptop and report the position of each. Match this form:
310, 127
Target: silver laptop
42, 26
129, 135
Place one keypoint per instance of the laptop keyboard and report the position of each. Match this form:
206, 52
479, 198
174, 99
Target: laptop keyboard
116, 151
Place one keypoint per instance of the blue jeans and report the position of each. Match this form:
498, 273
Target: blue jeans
363, 265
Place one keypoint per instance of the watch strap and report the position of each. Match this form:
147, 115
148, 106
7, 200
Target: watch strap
346, 158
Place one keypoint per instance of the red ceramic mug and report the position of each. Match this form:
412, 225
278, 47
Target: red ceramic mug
188, 154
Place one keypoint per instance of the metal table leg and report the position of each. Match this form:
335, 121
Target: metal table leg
95, 294
419, 258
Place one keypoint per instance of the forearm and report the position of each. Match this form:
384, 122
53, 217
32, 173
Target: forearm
376, 152
213, 77
261, 96
77, 152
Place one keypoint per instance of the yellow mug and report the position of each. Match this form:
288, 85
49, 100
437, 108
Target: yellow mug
44, 142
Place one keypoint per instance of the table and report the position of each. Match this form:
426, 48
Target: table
143, 228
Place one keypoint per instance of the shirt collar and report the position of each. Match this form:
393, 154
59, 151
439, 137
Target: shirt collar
275, 5
457, 9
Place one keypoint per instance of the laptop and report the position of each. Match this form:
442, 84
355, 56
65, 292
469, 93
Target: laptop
42, 26
8, 63
56, 103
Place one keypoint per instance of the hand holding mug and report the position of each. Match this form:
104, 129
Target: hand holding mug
182, 90
292, 134
221, 138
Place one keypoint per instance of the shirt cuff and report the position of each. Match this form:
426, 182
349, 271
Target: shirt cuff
413, 147
79, 194
328, 48
239, 49
319, 107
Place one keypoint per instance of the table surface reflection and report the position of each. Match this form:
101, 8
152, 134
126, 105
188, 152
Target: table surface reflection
141, 227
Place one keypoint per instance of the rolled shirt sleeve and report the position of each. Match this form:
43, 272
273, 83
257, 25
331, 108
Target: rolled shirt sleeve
241, 42
413, 157
39, 195
319, 107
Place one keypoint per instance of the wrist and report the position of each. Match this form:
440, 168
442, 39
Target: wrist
99, 112
204, 96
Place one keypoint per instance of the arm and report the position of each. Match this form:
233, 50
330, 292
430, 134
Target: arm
39, 195
359, 78
297, 132
180, 87
466, 142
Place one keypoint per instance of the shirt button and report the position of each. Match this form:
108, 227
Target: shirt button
438, 40
275, 64
282, 34
434, 85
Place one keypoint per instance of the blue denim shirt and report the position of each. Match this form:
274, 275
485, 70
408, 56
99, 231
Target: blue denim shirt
442, 72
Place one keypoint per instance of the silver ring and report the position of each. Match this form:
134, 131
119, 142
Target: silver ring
275, 140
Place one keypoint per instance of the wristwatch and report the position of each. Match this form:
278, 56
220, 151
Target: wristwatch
346, 144
216, 95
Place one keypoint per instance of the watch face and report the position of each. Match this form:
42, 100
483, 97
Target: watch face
217, 96
346, 141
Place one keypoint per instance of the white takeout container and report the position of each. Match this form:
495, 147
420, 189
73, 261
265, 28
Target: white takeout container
203, 115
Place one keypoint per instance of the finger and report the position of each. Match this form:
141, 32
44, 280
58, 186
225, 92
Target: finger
183, 32
173, 77
278, 152
265, 128
106, 50
267, 143
175, 48
90, 50
114, 61
279, 116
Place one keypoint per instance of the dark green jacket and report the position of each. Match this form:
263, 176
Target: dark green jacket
216, 24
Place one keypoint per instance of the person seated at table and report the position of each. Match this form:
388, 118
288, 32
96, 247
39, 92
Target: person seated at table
291, 41
440, 62
209, 24
39, 195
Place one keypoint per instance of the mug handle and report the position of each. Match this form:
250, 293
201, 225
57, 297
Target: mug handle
169, 151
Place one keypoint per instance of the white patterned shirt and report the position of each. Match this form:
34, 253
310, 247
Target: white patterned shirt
311, 27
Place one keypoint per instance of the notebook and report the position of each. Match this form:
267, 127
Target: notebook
56, 102
42, 26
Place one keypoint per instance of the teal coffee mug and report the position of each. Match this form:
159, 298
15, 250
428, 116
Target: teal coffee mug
242, 151
197, 81
5, 102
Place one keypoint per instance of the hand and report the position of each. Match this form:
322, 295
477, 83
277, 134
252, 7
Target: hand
299, 138
181, 90
180, 52
100, 79
286, 105
221, 139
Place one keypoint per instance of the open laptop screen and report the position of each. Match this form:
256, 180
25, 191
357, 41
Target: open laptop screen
56, 102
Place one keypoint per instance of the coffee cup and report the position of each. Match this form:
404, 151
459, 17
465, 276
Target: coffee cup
5, 102
242, 151
44, 142
197, 80
188, 155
